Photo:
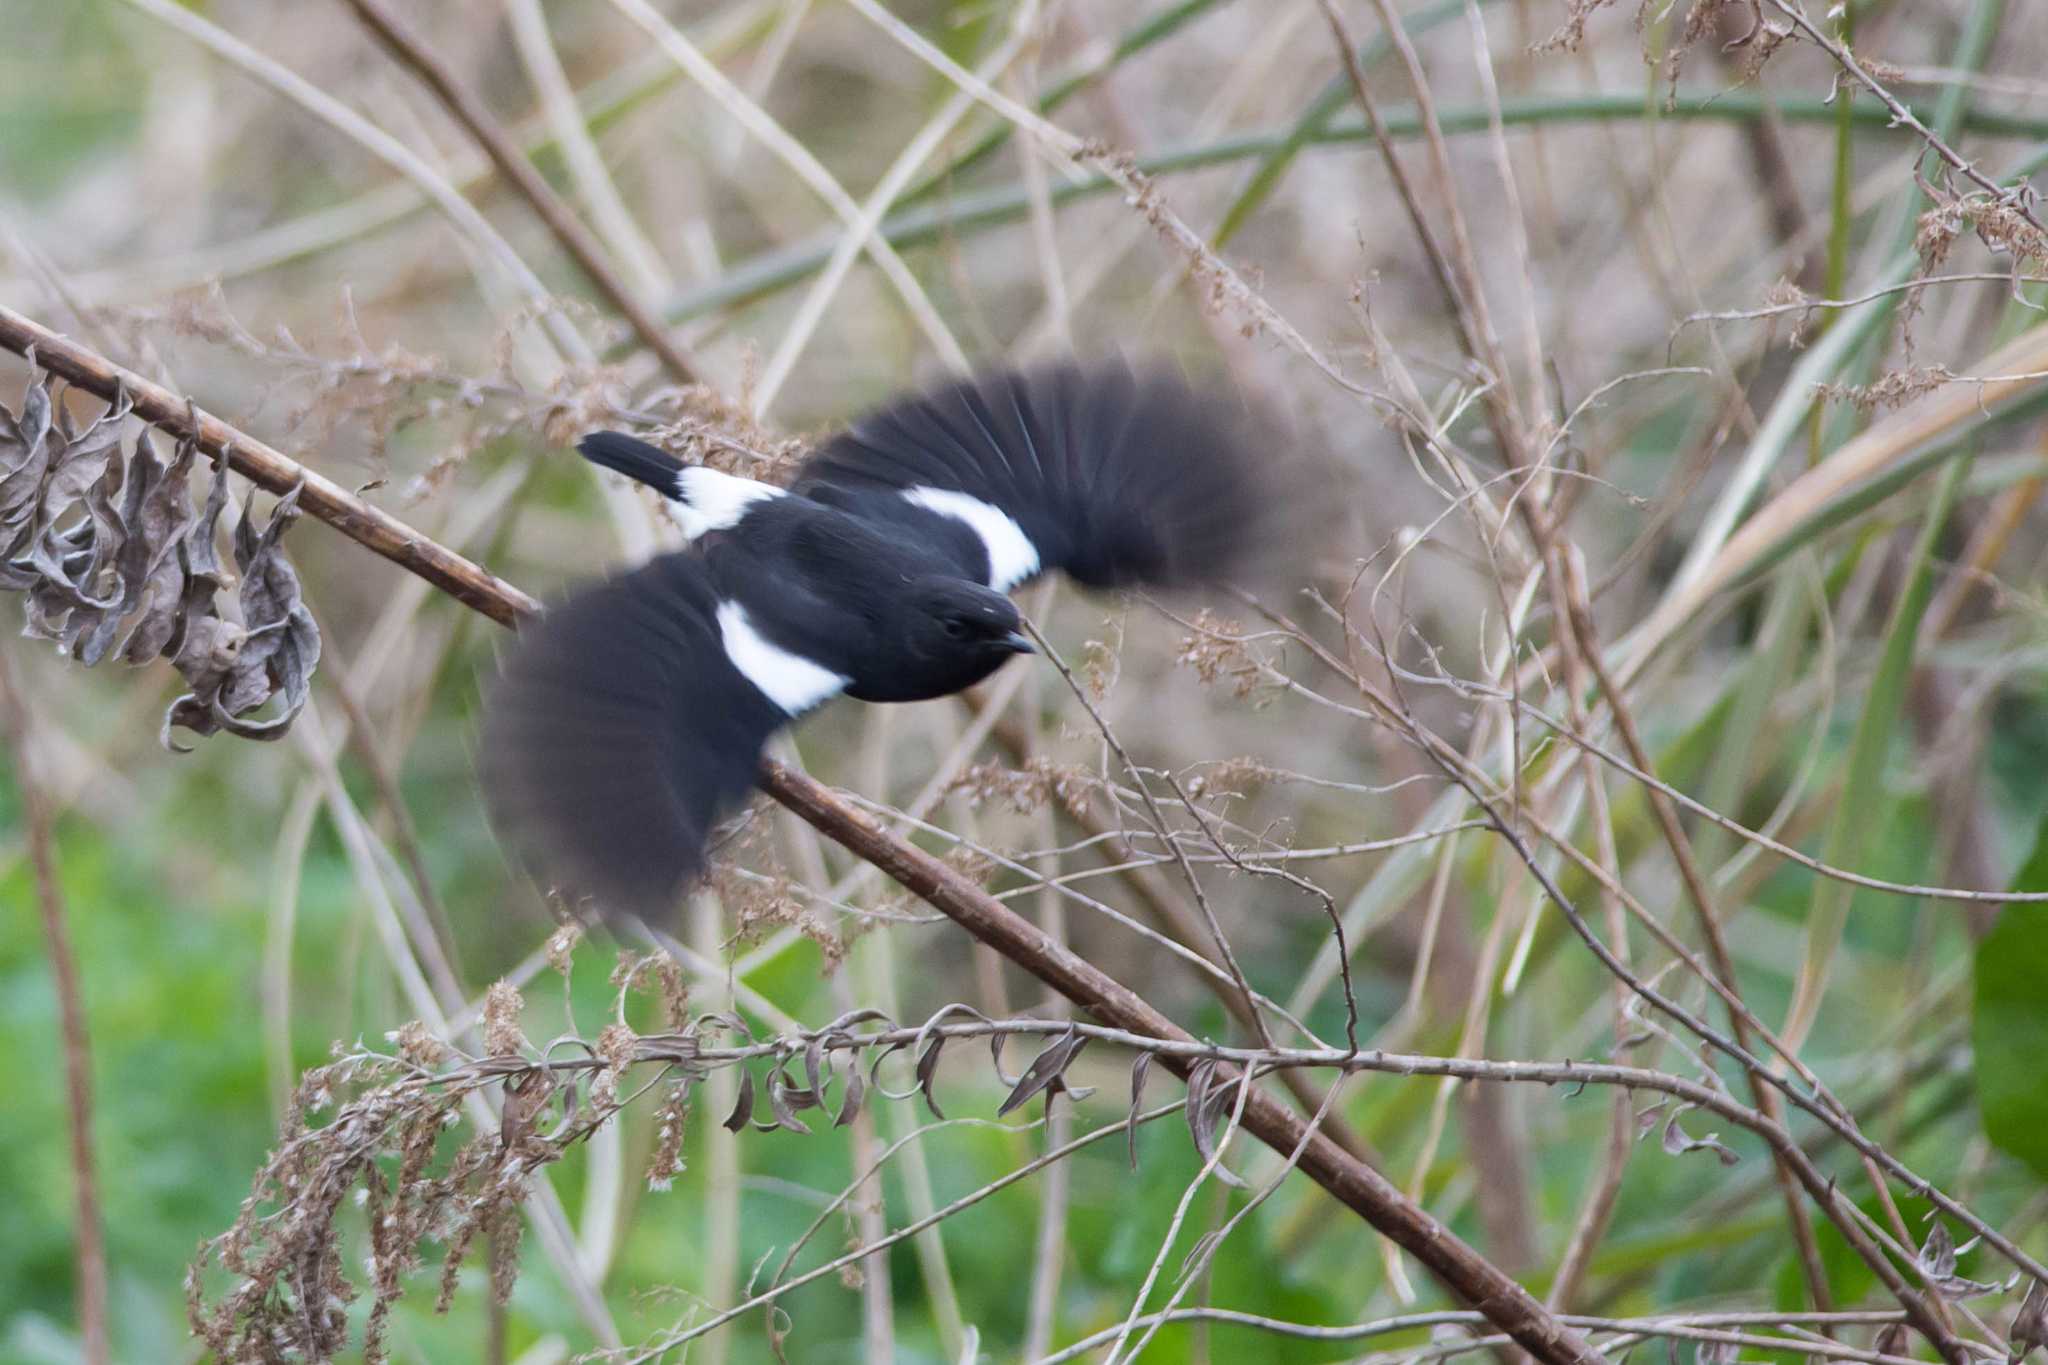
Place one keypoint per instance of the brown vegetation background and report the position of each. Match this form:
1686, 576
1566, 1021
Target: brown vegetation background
1620, 864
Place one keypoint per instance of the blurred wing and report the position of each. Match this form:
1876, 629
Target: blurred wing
618, 731
1120, 478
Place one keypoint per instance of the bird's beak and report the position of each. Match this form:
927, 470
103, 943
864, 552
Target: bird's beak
1017, 642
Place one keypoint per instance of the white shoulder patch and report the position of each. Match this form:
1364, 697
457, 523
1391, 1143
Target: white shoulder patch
707, 500
1012, 557
791, 681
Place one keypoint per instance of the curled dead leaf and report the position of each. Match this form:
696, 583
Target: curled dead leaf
110, 557
1045, 1069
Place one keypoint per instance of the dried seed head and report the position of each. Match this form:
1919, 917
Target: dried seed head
418, 1045
562, 946
111, 558
502, 1006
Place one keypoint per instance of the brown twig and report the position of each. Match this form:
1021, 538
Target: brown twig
1926, 1318
1355, 1184
270, 470
1585, 643
89, 1243
512, 163
1173, 846
1359, 1187
1598, 1209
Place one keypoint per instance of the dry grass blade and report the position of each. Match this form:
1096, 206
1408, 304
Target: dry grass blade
2018, 368
88, 1231
799, 159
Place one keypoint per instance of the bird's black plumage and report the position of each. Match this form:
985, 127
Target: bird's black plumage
632, 714
617, 732
1119, 478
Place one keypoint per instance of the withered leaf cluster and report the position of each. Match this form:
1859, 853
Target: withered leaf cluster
112, 558
395, 1152
279, 1283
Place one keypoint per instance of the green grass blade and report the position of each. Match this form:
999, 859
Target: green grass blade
1858, 811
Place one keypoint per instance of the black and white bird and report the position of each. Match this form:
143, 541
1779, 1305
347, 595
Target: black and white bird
633, 714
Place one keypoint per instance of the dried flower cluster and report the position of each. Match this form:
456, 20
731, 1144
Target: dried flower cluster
291, 1290
1785, 294
112, 558
394, 1150
1219, 653
711, 429
759, 905
1027, 789
671, 987
1230, 777
391, 1148
2000, 222
1892, 389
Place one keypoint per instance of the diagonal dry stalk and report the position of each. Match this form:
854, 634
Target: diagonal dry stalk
2018, 197
576, 239
1357, 1185
1181, 923
2012, 371
749, 115
1365, 1191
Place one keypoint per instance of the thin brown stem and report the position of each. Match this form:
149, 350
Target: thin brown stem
1459, 278
504, 152
1598, 1209
1585, 644
1903, 116
1180, 856
1818, 1102
1175, 919
88, 1238
1926, 1318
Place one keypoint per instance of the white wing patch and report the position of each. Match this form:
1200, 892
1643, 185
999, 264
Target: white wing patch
707, 500
791, 681
1012, 557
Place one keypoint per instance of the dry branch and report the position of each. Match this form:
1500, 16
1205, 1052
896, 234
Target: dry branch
1504, 1302
1180, 924
88, 1237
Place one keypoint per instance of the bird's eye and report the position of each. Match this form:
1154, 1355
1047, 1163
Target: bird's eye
956, 629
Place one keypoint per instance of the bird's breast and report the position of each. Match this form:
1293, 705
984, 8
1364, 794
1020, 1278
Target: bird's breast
922, 681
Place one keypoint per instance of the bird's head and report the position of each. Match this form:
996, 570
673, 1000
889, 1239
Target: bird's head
954, 633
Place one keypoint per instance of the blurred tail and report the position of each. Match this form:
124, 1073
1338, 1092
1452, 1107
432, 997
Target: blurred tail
635, 459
